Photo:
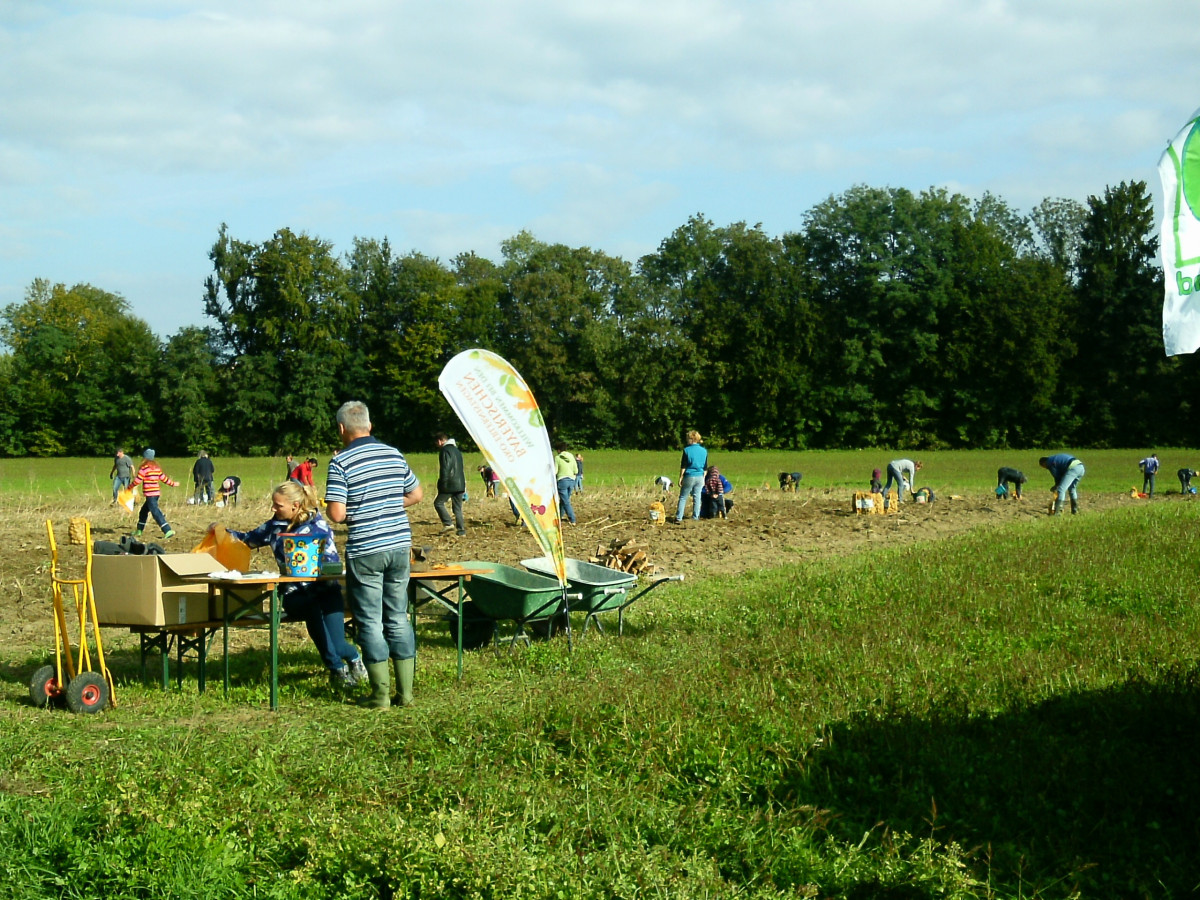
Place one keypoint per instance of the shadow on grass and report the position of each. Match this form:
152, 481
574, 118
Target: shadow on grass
1097, 791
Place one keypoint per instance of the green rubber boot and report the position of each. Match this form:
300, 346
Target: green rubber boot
381, 687
403, 670
1058, 505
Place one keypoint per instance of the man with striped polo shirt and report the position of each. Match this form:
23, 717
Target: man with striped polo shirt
369, 486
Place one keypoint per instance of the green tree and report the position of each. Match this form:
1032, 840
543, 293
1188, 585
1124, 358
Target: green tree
1059, 227
407, 310
1122, 378
282, 313
193, 391
82, 371
554, 324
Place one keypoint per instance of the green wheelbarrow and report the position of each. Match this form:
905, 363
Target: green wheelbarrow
598, 588
509, 594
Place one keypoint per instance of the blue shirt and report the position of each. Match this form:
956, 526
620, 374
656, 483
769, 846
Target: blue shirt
1058, 464
371, 479
695, 458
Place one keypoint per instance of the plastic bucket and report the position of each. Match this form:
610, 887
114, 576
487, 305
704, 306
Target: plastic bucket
302, 555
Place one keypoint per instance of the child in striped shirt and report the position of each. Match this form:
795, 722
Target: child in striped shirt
151, 478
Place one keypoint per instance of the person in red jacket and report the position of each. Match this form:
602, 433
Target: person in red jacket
151, 478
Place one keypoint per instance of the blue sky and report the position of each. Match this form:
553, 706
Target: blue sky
129, 131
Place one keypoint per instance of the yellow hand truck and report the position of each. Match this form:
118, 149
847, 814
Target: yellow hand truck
84, 689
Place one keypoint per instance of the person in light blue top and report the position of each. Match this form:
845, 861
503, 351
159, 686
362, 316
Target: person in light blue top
1067, 471
294, 508
691, 476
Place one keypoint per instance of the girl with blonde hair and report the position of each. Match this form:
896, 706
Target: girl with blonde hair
295, 511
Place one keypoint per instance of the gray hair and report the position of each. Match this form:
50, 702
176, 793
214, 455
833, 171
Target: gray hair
354, 417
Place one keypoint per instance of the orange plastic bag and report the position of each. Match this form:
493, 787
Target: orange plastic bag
126, 497
225, 549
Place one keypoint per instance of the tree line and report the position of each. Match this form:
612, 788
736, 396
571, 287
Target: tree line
890, 318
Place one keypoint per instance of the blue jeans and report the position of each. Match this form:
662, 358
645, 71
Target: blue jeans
1148, 481
320, 606
150, 508
1070, 482
693, 486
119, 484
378, 589
565, 486
894, 475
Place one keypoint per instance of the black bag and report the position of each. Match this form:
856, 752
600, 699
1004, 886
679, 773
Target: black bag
131, 545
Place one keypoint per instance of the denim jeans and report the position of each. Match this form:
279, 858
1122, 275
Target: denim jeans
320, 606
693, 486
456, 502
1070, 482
894, 475
565, 486
1148, 482
378, 589
150, 508
119, 484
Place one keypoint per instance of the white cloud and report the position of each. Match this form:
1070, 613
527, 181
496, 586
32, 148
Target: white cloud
586, 122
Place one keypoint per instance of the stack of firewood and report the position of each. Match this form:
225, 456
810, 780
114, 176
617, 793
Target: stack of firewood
624, 554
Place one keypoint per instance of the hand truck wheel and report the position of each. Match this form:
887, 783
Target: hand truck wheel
87, 692
44, 687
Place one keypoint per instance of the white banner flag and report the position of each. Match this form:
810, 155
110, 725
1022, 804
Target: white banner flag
1179, 243
498, 409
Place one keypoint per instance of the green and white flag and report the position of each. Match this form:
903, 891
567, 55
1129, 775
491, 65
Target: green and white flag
1179, 169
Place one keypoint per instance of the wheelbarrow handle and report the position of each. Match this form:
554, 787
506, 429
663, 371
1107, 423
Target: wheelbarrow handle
667, 578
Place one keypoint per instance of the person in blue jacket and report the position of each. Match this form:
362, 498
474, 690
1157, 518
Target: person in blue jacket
295, 509
715, 504
1066, 470
1149, 469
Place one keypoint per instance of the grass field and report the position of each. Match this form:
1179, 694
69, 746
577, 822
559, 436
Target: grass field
1006, 714
54, 480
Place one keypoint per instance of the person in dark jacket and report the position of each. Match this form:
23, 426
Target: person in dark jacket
1005, 476
202, 475
451, 484
1185, 481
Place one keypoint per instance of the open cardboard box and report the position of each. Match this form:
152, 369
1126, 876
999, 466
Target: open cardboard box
151, 590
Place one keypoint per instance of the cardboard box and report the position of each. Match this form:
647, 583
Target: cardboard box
150, 590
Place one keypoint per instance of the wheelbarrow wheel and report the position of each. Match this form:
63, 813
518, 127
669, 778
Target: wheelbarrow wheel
477, 629
87, 693
549, 627
43, 687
